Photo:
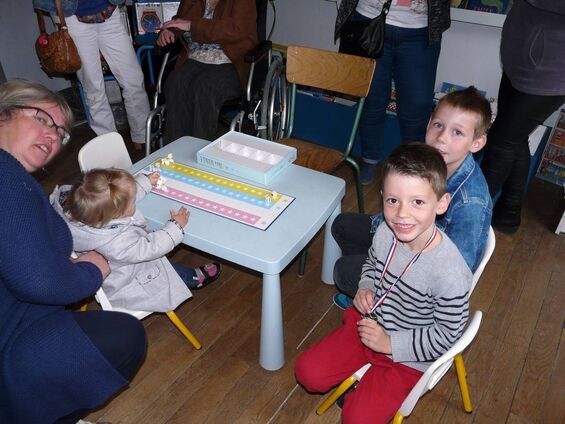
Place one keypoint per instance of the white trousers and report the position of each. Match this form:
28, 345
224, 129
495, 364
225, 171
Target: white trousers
110, 38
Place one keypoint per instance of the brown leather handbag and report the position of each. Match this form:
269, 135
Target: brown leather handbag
57, 52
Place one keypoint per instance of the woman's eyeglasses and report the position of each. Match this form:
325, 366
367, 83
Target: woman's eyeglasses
43, 118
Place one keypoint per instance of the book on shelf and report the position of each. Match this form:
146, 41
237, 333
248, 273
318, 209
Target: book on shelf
552, 166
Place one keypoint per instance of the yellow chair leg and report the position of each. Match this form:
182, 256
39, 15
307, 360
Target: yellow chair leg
185, 331
84, 307
397, 418
462, 378
341, 389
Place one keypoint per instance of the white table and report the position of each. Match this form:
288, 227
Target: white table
318, 201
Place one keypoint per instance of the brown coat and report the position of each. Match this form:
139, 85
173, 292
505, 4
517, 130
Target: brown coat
234, 27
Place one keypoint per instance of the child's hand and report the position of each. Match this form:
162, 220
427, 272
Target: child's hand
373, 336
154, 177
363, 300
181, 216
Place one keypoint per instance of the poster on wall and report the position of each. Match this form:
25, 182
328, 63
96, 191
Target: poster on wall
489, 6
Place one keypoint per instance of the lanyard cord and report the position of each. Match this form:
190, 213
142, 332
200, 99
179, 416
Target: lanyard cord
379, 301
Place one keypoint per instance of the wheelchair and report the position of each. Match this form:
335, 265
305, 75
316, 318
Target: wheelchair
262, 111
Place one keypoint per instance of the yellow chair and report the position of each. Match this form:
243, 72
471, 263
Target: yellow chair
337, 73
440, 366
105, 151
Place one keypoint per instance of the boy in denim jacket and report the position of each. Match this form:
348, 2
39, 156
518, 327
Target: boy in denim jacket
457, 128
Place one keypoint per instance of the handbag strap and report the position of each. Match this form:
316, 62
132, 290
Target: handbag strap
386, 7
41, 22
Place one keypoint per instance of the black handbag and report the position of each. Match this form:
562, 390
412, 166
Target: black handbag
365, 38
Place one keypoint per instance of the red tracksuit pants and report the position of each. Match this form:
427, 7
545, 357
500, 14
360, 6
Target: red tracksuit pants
336, 357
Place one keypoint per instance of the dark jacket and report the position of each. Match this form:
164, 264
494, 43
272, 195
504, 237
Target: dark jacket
234, 27
532, 48
48, 366
438, 17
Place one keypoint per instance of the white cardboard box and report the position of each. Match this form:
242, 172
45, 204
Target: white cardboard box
246, 156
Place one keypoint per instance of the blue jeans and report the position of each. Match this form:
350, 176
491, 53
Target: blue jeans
187, 275
411, 60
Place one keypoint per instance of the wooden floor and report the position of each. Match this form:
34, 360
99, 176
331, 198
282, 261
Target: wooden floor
516, 366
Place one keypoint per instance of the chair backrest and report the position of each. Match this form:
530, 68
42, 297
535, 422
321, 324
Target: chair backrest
105, 151
489, 249
440, 366
337, 72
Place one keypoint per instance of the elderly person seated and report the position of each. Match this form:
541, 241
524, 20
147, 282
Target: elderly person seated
56, 365
210, 70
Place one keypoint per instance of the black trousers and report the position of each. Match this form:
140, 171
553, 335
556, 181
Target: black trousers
506, 160
119, 337
352, 232
194, 94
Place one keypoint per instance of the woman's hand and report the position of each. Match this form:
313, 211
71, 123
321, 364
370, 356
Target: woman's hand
363, 300
373, 336
96, 259
166, 35
181, 216
181, 24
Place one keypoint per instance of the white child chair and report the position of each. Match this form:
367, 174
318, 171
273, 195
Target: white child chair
107, 151
440, 366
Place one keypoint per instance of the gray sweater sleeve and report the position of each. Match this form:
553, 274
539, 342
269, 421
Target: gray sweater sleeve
427, 310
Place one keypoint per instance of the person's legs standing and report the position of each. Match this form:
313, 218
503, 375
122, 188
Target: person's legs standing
415, 64
506, 160
85, 37
372, 123
115, 45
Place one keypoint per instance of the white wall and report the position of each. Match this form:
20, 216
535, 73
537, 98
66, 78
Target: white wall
18, 32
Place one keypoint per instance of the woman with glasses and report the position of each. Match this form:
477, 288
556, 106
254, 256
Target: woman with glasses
56, 365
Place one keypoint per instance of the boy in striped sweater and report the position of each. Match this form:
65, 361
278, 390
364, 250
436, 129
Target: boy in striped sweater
412, 303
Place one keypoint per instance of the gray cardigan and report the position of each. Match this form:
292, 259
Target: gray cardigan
532, 48
141, 277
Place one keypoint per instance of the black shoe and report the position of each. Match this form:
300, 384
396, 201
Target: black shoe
506, 219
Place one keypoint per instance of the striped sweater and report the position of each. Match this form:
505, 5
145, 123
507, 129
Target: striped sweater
426, 312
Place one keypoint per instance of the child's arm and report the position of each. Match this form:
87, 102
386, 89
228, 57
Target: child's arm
134, 245
446, 324
145, 182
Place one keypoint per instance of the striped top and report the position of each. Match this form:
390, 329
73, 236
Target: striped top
426, 312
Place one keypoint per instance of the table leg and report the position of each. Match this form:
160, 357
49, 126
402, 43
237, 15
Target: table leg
271, 355
332, 252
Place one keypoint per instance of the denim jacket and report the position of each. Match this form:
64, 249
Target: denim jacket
69, 6
467, 220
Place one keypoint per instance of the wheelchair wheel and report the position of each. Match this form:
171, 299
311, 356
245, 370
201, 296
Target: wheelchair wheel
274, 106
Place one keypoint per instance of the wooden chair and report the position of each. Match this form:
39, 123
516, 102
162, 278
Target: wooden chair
107, 151
440, 366
338, 73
